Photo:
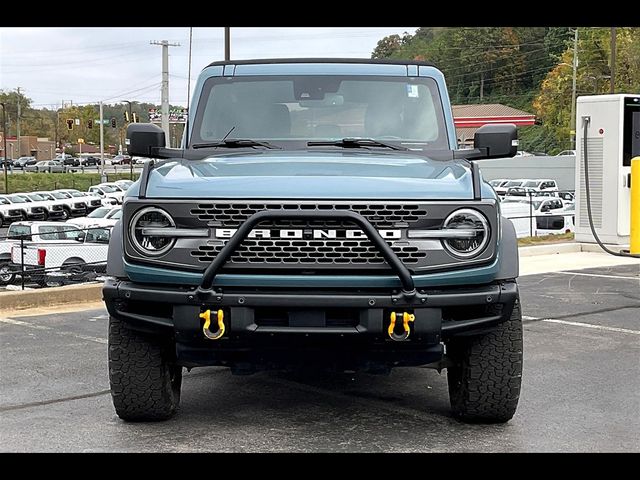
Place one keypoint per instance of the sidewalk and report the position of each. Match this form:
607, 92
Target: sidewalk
567, 256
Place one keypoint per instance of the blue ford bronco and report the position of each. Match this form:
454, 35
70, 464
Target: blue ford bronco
318, 214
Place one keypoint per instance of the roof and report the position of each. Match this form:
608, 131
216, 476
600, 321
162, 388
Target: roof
488, 110
385, 61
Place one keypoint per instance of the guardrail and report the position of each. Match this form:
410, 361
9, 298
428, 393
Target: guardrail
59, 255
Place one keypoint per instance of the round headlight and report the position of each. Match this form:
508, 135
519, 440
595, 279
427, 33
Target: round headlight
151, 217
474, 233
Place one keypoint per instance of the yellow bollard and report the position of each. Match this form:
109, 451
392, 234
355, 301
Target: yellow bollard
634, 247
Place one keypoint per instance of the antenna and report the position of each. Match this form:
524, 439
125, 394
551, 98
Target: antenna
186, 124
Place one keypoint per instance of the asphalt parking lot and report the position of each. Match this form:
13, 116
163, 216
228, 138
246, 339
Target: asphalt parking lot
581, 389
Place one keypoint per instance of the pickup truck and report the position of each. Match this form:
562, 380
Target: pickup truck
107, 192
40, 233
52, 210
92, 201
318, 215
29, 210
74, 255
71, 207
8, 212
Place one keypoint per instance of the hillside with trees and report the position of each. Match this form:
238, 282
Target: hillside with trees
524, 67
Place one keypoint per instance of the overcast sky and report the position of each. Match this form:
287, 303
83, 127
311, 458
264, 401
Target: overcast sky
113, 64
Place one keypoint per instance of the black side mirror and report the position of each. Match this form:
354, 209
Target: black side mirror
545, 208
498, 141
144, 138
80, 237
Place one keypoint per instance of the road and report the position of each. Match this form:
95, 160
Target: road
108, 169
581, 389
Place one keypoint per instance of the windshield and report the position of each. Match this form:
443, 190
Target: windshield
281, 109
4, 201
530, 183
16, 199
36, 197
513, 183
116, 213
75, 194
107, 189
99, 212
59, 195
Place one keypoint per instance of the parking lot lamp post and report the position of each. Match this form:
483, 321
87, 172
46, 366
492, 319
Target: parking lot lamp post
130, 119
4, 151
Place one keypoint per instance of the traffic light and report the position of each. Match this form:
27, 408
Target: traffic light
135, 117
113, 123
70, 123
89, 123
126, 117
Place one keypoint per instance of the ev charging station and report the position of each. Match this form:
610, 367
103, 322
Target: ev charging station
613, 139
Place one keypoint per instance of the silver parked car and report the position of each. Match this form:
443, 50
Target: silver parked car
52, 166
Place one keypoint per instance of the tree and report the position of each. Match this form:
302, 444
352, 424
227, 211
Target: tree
553, 103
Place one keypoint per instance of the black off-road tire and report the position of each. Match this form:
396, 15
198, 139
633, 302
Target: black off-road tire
484, 384
145, 381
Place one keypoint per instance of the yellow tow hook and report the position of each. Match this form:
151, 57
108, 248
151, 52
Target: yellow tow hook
207, 321
406, 318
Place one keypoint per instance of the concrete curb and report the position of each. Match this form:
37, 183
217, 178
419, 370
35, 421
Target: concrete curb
44, 297
568, 247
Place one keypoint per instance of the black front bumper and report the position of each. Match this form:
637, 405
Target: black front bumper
355, 322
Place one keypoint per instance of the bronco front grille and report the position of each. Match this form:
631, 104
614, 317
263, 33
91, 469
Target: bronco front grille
309, 252
380, 215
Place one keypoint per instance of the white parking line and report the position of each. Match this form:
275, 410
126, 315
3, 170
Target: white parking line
11, 321
584, 325
599, 275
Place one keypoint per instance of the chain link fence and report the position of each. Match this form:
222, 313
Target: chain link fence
539, 213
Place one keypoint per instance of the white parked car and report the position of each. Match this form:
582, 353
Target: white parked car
498, 182
95, 217
567, 153
502, 189
107, 191
124, 184
541, 184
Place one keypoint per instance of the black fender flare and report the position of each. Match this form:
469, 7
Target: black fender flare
115, 263
508, 251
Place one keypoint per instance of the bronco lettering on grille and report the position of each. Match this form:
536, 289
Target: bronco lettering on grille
307, 233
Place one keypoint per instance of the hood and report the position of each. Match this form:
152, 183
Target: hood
314, 175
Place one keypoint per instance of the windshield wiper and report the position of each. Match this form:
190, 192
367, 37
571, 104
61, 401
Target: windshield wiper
235, 143
355, 143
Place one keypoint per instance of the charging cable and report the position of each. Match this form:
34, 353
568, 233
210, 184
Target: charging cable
622, 253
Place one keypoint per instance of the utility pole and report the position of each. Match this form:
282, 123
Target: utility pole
613, 61
165, 84
102, 179
4, 151
18, 125
573, 90
227, 43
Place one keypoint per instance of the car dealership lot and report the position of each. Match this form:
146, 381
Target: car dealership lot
581, 388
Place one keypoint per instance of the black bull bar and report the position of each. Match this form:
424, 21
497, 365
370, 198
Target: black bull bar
408, 287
